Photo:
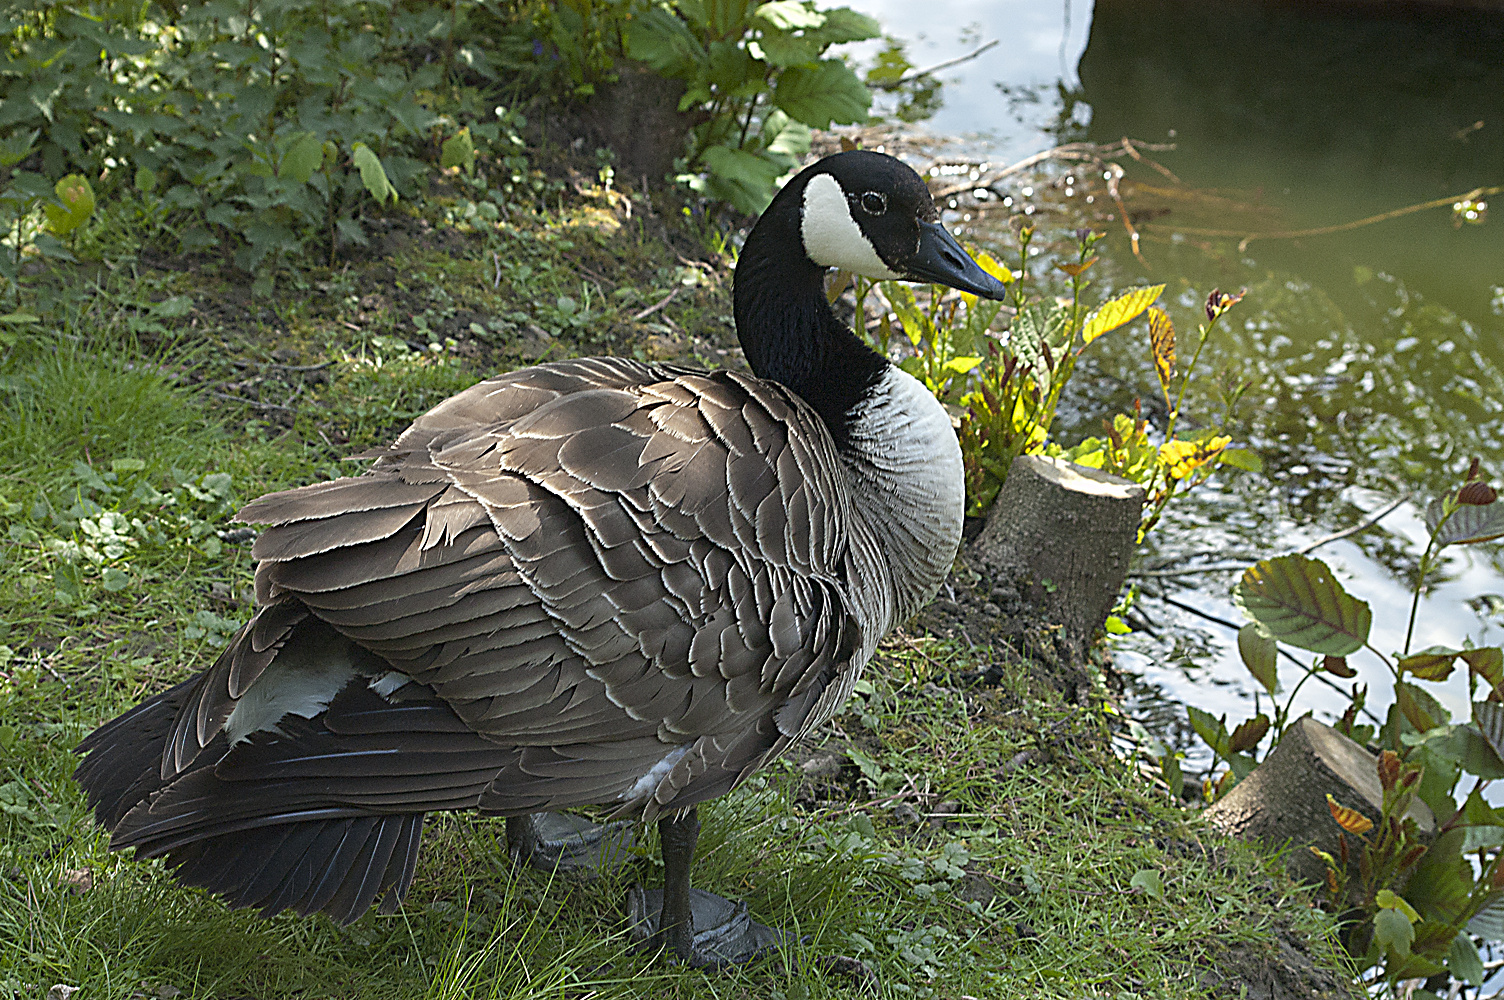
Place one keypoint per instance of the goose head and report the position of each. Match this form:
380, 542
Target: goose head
860, 211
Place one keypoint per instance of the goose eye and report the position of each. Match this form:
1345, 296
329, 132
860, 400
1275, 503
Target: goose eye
873, 203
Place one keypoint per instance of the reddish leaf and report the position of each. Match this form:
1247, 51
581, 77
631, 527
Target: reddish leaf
1337, 667
1247, 735
1350, 820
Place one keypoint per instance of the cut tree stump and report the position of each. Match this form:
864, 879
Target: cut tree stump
1062, 535
1284, 798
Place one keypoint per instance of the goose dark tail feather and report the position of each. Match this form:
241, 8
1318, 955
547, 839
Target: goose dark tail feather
339, 866
322, 814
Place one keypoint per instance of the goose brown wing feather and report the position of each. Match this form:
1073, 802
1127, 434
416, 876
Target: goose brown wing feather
595, 562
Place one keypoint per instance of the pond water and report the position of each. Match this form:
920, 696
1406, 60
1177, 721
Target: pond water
1376, 354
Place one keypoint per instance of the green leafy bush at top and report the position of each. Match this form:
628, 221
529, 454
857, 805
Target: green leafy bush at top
1417, 906
759, 73
261, 128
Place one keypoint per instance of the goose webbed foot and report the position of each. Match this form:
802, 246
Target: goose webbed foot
567, 844
699, 928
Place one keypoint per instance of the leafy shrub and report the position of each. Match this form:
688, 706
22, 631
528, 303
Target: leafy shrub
1006, 386
261, 127
749, 64
1416, 905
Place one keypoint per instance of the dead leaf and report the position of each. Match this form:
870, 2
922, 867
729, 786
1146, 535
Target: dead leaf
78, 880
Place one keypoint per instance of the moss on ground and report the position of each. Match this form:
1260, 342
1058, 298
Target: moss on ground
960, 839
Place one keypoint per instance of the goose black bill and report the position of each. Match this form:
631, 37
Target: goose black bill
941, 261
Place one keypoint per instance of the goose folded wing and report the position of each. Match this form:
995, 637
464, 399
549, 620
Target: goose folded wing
618, 566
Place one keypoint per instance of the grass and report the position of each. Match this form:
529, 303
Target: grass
979, 843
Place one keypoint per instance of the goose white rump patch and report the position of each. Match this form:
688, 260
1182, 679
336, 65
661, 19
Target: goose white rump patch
831, 236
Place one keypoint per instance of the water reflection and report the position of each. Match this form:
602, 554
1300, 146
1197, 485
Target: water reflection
1376, 356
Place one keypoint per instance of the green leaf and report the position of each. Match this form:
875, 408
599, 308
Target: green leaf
1463, 960
1487, 662
16, 147
1484, 827
1468, 525
659, 38
1440, 883
1260, 655
116, 580
1462, 744
1431, 664
146, 180
1148, 881
823, 93
75, 204
1488, 922
303, 158
789, 15
458, 151
1116, 626
780, 48
1299, 601
1242, 458
1424, 712
1393, 933
744, 179
20, 318
372, 174
1387, 899
842, 24
1489, 717
1211, 729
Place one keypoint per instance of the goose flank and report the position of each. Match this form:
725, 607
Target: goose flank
593, 582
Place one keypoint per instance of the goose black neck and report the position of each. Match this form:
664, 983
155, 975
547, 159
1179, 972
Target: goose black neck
786, 327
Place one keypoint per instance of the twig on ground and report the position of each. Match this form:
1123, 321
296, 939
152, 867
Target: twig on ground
656, 305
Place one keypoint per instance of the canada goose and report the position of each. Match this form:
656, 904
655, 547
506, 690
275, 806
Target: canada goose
587, 582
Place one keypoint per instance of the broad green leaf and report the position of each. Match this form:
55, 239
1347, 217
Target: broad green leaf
1440, 883
742, 178
1463, 960
1387, 899
1467, 525
1211, 729
303, 158
1424, 712
75, 198
1431, 664
1260, 655
1488, 922
458, 151
842, 24
1393, 932
1299, 601
1242, 458
1119, 311
1484, 827
789, 15
1148, 881
1489, 718
146, 180
16, 147
823, 93
372, 174
1463, 745
660, 39
783, 49
1488, 663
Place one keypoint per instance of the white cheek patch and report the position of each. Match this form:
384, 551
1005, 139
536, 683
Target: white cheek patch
831, 236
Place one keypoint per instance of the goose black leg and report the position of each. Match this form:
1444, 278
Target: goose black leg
698, 927
559, 842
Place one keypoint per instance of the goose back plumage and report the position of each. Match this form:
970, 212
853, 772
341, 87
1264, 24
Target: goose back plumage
597, 566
